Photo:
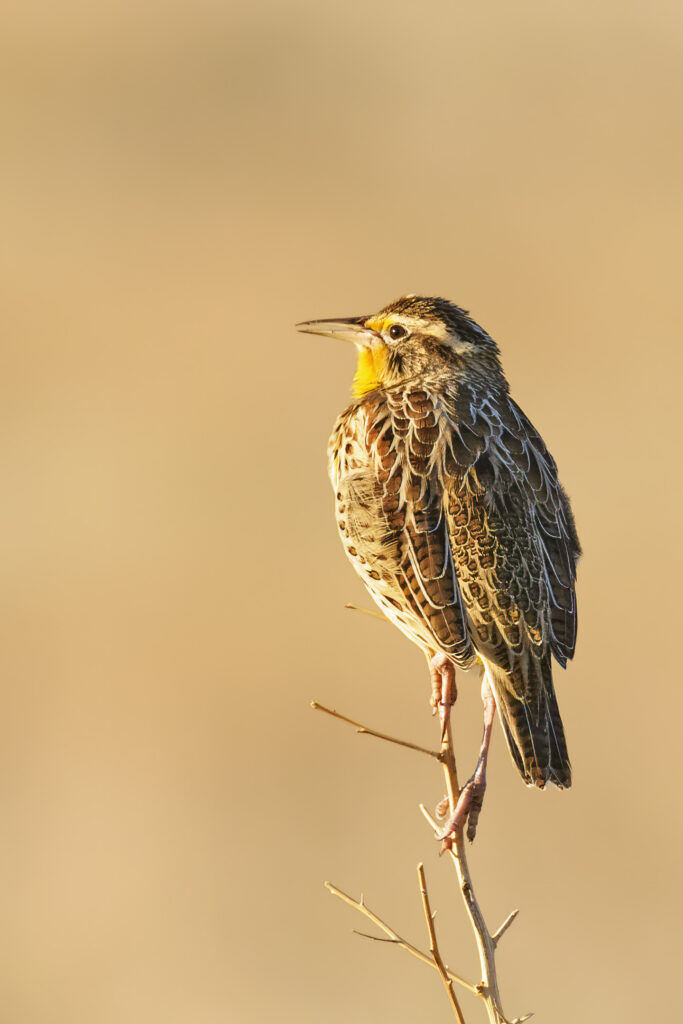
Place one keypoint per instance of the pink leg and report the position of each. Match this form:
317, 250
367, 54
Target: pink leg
468, 807
444, 690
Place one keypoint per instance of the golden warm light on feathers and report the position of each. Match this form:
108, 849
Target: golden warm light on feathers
371, 369
450, 509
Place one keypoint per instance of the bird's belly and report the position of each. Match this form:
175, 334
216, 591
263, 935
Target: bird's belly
371, 522
374, 553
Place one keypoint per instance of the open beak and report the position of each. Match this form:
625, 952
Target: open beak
347, 329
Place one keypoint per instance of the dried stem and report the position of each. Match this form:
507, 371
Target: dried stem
365, 730
488, 989
394, 937
434, 946
486, 943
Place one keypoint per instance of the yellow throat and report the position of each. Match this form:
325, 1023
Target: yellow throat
371, 370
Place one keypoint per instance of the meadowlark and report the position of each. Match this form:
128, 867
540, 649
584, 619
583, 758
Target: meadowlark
450, 509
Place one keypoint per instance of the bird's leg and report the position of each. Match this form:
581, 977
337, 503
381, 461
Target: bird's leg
468, 807
444, 690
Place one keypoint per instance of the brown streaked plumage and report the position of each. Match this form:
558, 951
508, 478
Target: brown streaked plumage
450, 509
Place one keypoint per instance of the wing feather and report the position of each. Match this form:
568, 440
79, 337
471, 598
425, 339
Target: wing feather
418, 571
516, 550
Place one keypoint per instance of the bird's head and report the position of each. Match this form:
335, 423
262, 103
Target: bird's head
409, 338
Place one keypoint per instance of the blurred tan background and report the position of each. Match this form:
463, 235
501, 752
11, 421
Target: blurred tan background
180, 184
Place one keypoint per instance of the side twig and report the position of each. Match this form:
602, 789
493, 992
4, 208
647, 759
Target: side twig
365, 730
434, 946
393, 936
487, 989
497, 935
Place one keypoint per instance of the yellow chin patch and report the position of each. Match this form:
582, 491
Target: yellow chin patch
371, 372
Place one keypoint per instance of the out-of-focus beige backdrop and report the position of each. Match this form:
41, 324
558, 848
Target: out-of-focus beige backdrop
180, 184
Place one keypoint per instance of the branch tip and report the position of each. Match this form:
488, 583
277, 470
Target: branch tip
497, 935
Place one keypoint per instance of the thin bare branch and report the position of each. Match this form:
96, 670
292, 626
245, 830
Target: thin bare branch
488, 987
364, 729
375, 938
497, 935
432, 821
394, 936
487, 990
434, 946
367, 611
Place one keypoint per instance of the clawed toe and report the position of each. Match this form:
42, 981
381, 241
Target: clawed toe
476, 804
444, 690
441, 809
467, 809
471, 798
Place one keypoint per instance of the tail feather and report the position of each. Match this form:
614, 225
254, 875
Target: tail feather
531, 721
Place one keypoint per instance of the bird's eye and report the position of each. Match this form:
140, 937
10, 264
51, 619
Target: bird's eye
396, 332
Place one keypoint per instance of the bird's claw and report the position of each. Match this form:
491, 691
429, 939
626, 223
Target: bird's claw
441, 809
444, 691
467, 809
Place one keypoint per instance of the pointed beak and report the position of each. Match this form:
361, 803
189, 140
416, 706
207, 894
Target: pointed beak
347, 329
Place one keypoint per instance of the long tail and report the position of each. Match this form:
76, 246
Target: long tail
531, 720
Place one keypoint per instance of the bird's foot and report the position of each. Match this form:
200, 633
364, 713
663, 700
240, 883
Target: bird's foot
444, 690
441, 809
467, 809
471, 797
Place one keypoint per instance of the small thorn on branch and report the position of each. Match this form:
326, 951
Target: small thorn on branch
497, 935
394, 937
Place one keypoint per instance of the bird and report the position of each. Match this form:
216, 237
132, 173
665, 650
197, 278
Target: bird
450, 509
